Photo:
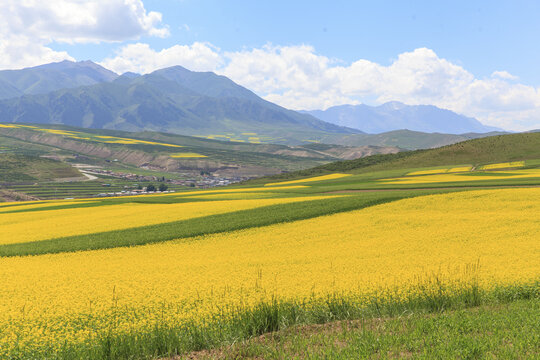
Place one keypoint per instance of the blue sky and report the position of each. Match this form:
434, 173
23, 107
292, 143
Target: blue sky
479, 58
483, 36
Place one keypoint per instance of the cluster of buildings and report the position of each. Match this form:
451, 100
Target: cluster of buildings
205, 182
133, 192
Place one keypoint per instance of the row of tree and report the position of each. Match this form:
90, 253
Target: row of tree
152, 187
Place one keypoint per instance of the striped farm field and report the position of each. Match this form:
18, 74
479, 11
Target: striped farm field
313, 179
87, 303
467, 177
20, 227
512, 164
162, 276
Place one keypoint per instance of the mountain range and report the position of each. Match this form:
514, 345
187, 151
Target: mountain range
181, 101
170, 100
395, 115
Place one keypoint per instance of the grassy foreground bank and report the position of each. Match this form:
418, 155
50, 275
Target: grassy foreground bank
505, 331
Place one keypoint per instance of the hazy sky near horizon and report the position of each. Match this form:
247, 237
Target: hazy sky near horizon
479, 58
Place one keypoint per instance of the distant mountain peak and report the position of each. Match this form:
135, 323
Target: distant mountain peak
395, 115
51, 77
393, 105
130, 74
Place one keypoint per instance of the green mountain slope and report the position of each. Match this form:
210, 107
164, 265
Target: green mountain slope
50, 77
169, 100
493, 149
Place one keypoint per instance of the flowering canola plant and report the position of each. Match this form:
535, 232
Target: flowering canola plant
460, 169
427, 172
50, 300
188, 155
312, 179
449, 178
20, 227
90, 137
504, 165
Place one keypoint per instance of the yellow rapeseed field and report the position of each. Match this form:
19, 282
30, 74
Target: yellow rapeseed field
503, 165
427, 172
188, 155
85, 136
460, 169
48, 224
52, 299
449, 178
312, 179
30, 205
441, 171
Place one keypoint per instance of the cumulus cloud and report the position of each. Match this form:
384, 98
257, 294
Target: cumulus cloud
27, 27
20, 52
140, 58
298, 78
76, 21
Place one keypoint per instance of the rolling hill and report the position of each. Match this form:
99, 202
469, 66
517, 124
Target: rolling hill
395, 116
502, 148
405, 139
171, 153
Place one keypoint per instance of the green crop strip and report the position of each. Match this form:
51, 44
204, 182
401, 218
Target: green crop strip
263, 216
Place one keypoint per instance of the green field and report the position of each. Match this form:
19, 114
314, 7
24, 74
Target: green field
24, 168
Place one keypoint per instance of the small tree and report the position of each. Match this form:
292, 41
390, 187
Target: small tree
150, 187
163, 187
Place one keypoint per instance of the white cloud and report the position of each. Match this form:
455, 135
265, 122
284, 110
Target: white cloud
76, 21
503, 75
140, 58
27, 26
20, 52
298, 78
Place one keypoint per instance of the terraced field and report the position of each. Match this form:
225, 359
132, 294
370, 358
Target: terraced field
162, 275
81, 189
